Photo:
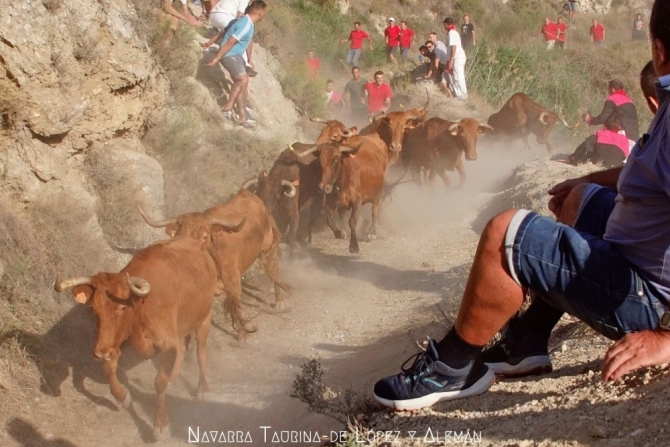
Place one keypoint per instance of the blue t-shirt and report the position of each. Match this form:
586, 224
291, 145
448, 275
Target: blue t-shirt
639, 225
242, 30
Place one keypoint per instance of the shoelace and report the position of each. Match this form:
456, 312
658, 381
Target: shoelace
422, 362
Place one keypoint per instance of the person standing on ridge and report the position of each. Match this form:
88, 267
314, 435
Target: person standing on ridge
356, 38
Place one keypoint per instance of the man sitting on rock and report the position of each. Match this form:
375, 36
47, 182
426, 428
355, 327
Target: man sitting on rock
608, 146
602, 261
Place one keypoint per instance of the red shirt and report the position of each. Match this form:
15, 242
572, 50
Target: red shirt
377, 96
393, 33
406, 38
549, 32
562, 28
313, 67
356, 38
598, 32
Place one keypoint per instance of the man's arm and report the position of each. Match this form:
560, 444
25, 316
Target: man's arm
591, 34
364, 94
250, 50
559, 192
217, 37
608, 108
452, 53
186, 17
474, 38
604, 31
435, 65
225, 48
369, 41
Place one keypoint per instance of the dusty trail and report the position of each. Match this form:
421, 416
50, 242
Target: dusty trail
358, 314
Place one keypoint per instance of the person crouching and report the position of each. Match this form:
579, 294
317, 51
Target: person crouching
607, 146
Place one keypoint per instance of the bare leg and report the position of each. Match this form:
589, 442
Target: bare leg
491, 296
242, 100
239, 85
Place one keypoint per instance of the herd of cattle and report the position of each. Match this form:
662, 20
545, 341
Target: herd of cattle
166, 292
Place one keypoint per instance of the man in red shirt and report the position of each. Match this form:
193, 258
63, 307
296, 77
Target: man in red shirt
378, 95
392, 37
406, 40
356, 38
549, 32
313, 65
561, 29
597, 33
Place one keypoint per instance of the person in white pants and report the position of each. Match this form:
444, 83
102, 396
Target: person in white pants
456, 64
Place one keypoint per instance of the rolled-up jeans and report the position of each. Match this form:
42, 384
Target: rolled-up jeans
580, 273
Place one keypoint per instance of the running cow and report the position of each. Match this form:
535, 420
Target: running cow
353, 175
520, 117
291, 186
164, 294
438, 145
234, 247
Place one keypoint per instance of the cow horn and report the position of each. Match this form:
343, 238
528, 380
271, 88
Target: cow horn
308, 151
542, 116
139, 286
485, 125
228, 226
347, 149
318, 120
154, 223
59, 285
454, 126
411, 117
347, 133
291, 186
253, 181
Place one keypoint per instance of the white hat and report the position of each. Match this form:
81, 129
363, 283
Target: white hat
391, 19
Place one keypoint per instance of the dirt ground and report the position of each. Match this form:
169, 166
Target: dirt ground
361, 317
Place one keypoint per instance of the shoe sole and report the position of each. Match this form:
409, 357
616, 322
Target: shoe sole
483, 384
530, 366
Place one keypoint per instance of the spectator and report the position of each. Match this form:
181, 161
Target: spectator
571, 6
468, 37
353, 95
234, 43
456, 63
392, 37
549, 31
561, 30
356, 38
406, 40
378, 95
639, 32
597, 33
607, 146
313, 65
438, 43
618, 102
603, 261
438, 62
223, 13
332, 98
173, 16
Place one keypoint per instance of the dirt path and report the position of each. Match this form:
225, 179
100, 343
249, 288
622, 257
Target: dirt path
358, 314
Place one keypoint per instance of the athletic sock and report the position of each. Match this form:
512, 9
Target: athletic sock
456, 352
540, 318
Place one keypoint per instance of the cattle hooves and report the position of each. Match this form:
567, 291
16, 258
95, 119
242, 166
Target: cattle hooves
354, 249
161, 434
372, 237
341, 234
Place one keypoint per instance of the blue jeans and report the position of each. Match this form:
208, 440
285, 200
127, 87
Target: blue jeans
352, 57
580, 273
404, 52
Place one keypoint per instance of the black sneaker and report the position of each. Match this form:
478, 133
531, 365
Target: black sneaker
518, 358
429, 381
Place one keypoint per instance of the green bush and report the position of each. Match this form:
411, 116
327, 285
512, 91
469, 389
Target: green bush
474, 8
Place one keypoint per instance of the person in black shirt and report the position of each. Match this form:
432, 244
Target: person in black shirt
468, 38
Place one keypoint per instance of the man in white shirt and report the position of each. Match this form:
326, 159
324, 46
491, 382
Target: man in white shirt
456, 64
224, 12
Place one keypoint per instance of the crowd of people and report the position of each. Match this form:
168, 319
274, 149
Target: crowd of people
554, 34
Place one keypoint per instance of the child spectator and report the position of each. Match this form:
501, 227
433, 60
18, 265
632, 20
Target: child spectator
549, 31
332, 98
356, 38
392, 37
597, 33
313, 65
406, 40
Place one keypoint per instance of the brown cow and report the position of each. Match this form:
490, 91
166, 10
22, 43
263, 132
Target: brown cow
291, 186
256, 237
353, 175
520, 117
164, 294
437, 146
333, 131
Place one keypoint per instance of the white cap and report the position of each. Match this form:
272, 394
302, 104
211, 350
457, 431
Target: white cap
391, 19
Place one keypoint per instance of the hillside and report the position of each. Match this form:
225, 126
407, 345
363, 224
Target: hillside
99, 116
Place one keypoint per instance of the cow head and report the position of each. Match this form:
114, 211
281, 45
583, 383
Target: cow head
467, 131
190, 224
334, 131
391, 127
112, 297
272, 189
330, 157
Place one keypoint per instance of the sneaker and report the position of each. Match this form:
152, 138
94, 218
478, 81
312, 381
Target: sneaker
250, 116
429, 381
247, 124
518, 358
229, 114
